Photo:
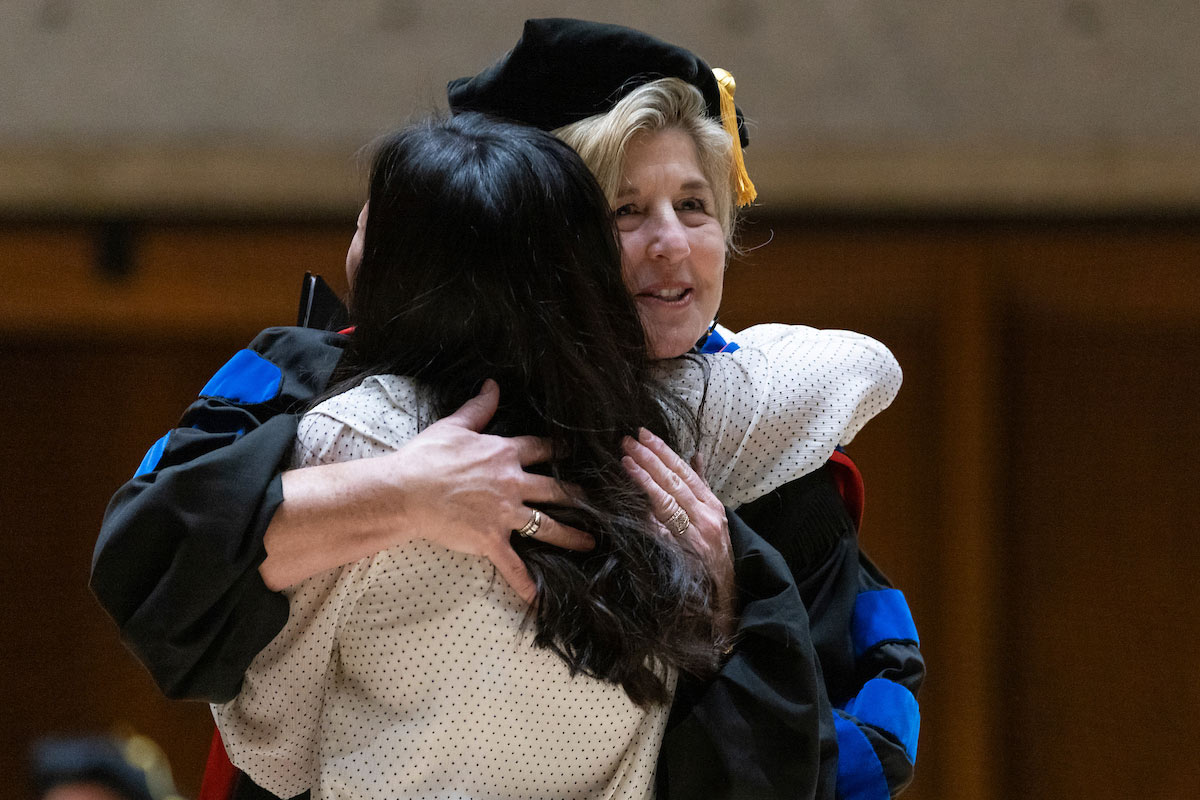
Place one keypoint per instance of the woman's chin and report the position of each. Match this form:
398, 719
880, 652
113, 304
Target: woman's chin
673, 336
672, 345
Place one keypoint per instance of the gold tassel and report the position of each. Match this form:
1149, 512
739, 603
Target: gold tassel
745, 187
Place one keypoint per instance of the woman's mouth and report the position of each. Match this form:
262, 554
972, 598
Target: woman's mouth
669, 296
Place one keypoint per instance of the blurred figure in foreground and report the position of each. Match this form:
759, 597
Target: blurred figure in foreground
100, 768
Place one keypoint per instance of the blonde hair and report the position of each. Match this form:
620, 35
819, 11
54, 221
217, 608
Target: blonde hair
665, 104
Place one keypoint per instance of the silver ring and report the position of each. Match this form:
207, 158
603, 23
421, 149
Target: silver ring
531, 527
679, 522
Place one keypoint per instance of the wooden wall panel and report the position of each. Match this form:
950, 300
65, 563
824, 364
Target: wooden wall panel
1101, 608
95, 370
183, 279
1103, 351
924, 460
77, 426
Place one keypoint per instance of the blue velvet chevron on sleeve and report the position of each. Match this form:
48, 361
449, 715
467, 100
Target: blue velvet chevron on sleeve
878, 727
176, 562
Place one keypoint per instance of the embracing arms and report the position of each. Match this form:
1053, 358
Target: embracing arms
469, 488
193, 547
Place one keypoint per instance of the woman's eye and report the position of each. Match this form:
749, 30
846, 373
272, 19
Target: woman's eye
692, 204
625, 210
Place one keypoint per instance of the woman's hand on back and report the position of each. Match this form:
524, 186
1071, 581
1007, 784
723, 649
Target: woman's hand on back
685, 507
451, 484
468, 491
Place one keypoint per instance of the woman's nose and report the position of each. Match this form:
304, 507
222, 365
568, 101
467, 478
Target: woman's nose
669, 238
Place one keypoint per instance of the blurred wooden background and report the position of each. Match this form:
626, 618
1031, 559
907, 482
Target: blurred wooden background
1031, 490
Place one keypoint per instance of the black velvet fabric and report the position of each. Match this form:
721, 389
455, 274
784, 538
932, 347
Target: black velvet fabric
755, 731
563, 70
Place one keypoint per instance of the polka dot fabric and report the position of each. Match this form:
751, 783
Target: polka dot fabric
778, 406
410, 674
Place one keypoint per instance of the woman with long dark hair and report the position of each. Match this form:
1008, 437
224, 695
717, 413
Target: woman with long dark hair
489, 251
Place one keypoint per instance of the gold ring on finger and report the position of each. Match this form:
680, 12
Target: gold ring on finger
679, 522
530, 528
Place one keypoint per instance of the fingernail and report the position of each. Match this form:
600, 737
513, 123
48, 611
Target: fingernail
489, 386
627, 443
645, 435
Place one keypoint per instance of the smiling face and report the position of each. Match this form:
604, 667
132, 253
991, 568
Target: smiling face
672, 247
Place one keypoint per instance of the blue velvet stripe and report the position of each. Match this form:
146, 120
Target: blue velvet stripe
245, 378
880, 616
153, 456
715, 343
859, 774
891, 708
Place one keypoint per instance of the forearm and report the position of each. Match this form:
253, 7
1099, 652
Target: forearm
333, 514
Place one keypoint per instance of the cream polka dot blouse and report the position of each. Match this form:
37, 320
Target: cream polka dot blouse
409, 674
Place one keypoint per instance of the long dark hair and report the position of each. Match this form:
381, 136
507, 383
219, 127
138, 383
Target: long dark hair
490, 251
